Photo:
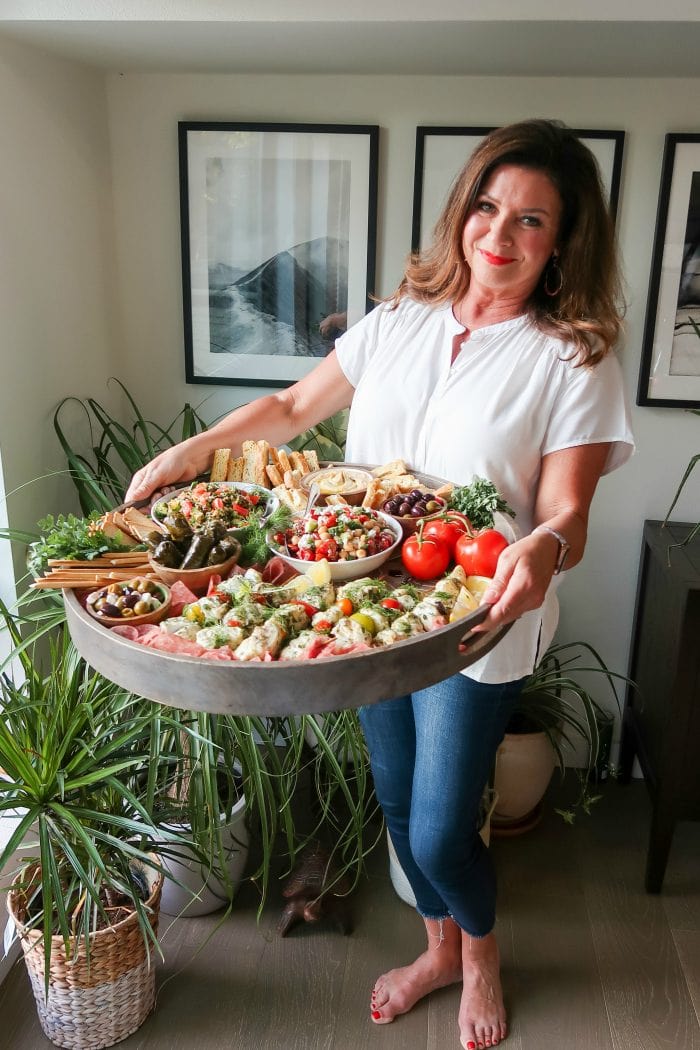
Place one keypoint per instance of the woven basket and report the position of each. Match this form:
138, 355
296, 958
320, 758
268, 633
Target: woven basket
95, 1006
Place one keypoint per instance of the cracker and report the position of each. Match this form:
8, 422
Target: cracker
311, 458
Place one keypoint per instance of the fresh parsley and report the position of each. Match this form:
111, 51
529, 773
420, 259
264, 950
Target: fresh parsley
70, 537
479, 501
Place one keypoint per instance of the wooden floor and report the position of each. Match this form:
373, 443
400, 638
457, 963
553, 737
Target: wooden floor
590, 960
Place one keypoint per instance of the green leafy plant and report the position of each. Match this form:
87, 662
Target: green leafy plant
70, 742
557, 701
117, 450
327, 438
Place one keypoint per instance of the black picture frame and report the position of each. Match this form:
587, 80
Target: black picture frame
278, 232
669, 372
442, 151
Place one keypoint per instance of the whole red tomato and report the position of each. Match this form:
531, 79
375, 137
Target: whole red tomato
447, 528
478, 554
424, 558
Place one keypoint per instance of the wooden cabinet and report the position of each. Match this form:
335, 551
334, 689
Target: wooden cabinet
661, 723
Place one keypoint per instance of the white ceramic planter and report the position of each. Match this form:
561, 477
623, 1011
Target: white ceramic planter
210, 894
396, 873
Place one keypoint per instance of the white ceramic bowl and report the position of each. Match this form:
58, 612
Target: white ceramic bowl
350, 570
271, 505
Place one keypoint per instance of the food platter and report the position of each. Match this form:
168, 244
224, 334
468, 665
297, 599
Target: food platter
281, 688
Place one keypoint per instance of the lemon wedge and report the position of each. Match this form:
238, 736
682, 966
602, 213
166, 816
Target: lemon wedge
476, 585
465, 603
469, 597
318, 573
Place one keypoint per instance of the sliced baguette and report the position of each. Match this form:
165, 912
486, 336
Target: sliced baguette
298, 461
219, 466
235, 468
311, 458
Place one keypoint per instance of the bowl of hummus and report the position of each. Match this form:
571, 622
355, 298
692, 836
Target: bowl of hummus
349, 483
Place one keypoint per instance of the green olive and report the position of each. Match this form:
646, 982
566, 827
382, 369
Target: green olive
141, 608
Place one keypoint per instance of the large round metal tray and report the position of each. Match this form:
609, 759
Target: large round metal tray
289, 687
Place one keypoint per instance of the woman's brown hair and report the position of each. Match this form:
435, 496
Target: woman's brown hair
587, 310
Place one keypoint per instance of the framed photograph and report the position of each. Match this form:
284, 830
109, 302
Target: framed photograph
670, 368
278, 245
442, 152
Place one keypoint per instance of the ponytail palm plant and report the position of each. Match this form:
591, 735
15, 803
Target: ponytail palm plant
70, 742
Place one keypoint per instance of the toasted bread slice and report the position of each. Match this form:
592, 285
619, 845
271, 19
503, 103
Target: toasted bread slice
292, 498
311, 458
255, 456
392, 469
235, 468
404, 482
274, 474
219, 466
375, 495
298, 461
140, 525
283, 461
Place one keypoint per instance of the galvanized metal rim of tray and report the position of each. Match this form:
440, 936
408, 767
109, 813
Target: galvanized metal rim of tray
282, 687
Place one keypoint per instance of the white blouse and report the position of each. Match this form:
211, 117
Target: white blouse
509, 399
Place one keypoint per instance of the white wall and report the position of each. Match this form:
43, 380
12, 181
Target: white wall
56, 262
143, 114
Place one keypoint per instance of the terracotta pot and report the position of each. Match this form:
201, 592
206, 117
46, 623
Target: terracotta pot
524, 766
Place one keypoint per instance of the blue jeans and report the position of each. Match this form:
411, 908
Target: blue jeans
432, 753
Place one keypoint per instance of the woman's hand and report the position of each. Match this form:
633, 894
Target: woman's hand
180, 463
523, 574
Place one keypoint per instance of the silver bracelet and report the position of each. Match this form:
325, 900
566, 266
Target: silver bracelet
564, 546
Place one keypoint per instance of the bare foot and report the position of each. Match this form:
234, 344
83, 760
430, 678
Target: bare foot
397, 991
482, 1016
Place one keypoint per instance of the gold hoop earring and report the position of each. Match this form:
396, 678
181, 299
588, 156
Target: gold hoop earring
553, 274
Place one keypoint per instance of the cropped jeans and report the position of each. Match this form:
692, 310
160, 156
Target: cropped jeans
431, 754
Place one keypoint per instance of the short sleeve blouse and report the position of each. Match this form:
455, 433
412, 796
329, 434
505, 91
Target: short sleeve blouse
511, 396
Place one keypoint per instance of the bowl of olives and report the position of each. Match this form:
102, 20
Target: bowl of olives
410, 508
197, 580
135, 602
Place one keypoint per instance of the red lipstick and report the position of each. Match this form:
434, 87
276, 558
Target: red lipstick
495, 260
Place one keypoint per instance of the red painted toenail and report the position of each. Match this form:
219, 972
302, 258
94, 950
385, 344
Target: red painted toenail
471, 1046
376, 1015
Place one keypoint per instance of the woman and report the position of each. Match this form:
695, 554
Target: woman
492, 358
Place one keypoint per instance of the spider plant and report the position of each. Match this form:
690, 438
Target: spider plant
556, 701
117, 450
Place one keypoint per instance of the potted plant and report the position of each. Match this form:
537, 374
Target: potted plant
554, 711
85, 898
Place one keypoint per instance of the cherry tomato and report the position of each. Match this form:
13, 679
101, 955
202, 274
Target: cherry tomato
447, 528
425, 558
390, 603
345, 606
478, 554
309, 609
322, 626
